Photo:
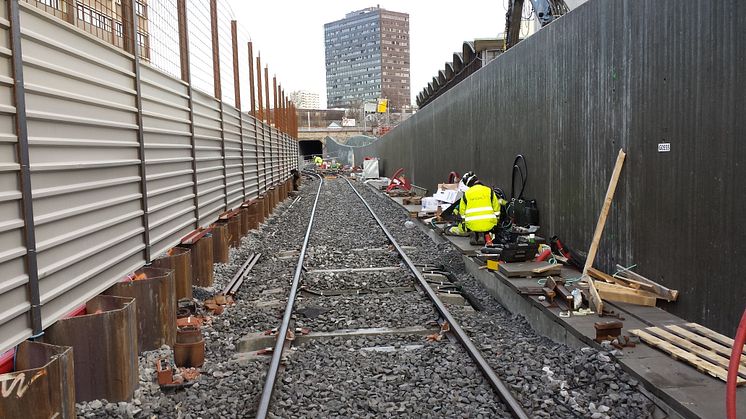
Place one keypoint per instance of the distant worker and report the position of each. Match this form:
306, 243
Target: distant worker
479, 209
318, 161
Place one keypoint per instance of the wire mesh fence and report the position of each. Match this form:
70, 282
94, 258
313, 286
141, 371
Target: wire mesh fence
225, 51
200, 46
219, 65
163, 29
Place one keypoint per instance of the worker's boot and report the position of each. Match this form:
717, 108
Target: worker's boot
475, 240
455, 231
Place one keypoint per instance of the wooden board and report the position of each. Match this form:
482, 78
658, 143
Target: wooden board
703, 341
665, 293
677, 353
725, 340
604, 211
603, 276
703, 353
618, 293
529, 269
596, 301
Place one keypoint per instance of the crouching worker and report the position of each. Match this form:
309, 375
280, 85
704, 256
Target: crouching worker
479, 209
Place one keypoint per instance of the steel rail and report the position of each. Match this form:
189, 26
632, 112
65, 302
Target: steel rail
462, 337
274, 364
241, 274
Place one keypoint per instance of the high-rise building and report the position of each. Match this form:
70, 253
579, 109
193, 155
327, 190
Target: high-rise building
305, 100
367, 57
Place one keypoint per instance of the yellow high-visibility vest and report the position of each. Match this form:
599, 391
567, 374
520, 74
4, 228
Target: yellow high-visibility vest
480, 209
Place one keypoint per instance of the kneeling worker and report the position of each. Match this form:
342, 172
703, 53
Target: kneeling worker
479, 209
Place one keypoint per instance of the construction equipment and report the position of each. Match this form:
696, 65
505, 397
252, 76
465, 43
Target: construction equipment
546, 11
398, 181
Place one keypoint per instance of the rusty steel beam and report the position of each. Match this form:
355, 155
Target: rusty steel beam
155, 293
266, 93
41, 385
128, 32
215, 49
259, 83
251, 78
107, 368
278, 105
236, 75
179, 259
183, 40
202, 260
274, 99
220, 239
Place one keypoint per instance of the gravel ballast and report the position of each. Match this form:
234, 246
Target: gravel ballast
375, 376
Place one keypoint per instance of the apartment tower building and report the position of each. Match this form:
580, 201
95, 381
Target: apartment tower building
367, 58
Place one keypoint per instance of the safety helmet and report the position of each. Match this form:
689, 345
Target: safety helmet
469, 179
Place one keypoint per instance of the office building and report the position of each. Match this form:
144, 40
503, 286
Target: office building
367, 57
305, 100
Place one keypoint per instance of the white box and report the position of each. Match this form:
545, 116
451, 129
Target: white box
429, 204
370, 169
447, 195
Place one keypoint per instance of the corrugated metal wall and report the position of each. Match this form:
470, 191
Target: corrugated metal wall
85, 163
613, 74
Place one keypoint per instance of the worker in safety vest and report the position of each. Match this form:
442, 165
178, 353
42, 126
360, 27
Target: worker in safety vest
479, 208
318, 160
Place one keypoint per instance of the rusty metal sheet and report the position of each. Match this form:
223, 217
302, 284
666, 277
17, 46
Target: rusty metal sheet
234, 230
266, 206
220, 242
245, 219
202, 260
42, 385
154, 289
180, 260
259, 204
106, 368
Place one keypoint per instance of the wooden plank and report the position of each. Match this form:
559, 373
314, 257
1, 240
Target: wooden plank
604, 211
680, 354
603, 276
596, 301
618, 293
666, 293
703, 353
725, 340
703, 341
528, 269
640, 285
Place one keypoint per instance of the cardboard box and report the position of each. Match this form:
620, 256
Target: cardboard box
447, 186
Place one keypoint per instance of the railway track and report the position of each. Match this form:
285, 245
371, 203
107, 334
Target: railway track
366, 354
344, 285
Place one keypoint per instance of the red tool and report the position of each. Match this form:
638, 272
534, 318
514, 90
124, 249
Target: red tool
543, 255
398, 181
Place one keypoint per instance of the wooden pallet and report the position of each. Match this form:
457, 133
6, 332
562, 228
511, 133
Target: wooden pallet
706, 350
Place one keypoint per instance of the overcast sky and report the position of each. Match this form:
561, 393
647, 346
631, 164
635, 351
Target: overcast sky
290, 34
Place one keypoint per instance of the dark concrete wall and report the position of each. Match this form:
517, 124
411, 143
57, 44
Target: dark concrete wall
611, 74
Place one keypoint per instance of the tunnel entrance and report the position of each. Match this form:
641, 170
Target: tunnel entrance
310, 148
